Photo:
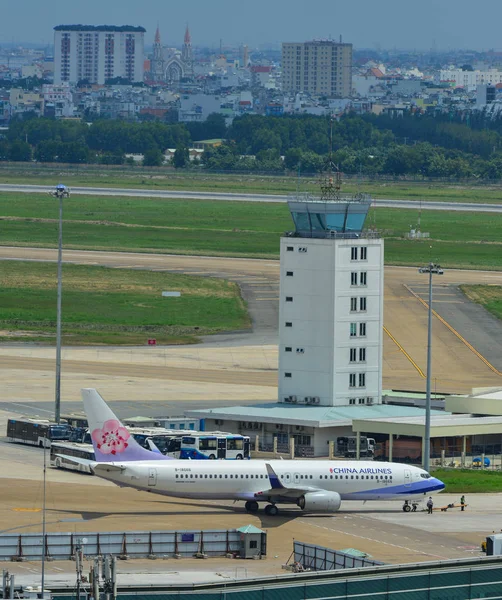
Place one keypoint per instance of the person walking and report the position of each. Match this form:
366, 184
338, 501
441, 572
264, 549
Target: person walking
462, 503
430, 505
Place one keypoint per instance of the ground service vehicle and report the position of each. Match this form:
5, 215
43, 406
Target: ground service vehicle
347, 446
403, 450
216, 445
60, 450
36, 432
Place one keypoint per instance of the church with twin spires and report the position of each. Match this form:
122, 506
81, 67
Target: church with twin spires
169, 65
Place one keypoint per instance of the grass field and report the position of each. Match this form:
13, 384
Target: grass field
165, 178
489, 296
467, 481
246, 229
112, 306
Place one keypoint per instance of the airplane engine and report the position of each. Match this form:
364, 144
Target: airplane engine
320, 501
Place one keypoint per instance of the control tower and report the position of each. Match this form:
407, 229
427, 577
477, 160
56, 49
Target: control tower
331, 301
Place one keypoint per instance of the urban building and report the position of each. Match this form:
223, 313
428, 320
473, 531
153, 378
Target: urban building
98, 54
168, 65
319, 67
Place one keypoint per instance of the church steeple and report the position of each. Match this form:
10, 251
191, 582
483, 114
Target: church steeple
188, 39
187, 53
157, 67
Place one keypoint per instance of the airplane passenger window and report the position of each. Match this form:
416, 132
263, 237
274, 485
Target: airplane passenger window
331, 476
261, 476
205, 476
210, 476
386, 477
357, 476
191, 476
346, 476
311, 477
247, 476
226, 476
336, 476
176, 476
221, 476
372, 477
352, 476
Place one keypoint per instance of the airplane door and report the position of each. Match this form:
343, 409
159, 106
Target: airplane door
152, 477
222, 448
407, 478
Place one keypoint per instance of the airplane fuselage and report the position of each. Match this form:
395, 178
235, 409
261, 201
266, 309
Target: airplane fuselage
249, 480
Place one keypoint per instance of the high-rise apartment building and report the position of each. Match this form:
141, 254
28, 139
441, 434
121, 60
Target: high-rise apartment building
320, 67
98, 53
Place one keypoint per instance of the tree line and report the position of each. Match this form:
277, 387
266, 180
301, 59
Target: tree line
430, 145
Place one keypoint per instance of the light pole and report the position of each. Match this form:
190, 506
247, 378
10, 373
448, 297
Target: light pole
431, 269
60, 192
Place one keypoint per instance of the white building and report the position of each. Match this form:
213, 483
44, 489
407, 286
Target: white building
98, 54
470, 79
330, 307
60, 97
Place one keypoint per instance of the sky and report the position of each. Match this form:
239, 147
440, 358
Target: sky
378, 24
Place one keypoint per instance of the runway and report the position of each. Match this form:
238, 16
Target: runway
232, 197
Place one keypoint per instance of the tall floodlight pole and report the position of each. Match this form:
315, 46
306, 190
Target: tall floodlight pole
431, 269
60, 192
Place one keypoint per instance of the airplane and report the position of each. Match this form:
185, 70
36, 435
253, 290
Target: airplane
312, 485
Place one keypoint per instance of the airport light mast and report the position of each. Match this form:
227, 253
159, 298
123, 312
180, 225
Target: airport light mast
431, 269
60, 192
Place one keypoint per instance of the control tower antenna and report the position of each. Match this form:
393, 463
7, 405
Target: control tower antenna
331, 179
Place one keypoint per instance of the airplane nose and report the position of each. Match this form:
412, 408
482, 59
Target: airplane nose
438, 484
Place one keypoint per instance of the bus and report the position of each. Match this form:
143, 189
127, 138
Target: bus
71, 449
216, 445
36, 432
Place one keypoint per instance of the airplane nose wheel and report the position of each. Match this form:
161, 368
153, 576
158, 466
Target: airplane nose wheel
252, 506
271, 510
406, 506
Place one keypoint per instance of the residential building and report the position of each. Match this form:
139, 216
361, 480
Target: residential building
319, 67
98, 54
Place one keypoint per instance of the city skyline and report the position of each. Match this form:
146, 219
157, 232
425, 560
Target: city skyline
451, 24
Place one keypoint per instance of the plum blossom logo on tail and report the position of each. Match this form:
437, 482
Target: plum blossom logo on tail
112, 438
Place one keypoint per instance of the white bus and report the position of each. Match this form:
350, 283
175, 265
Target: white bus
36, 432
71, 449
215, 445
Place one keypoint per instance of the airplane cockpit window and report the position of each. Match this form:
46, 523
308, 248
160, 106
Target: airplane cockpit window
425, 475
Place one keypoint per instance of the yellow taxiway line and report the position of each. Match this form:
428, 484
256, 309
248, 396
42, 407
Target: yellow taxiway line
420, 372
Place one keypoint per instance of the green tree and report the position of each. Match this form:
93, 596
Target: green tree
181, 157
20, 151
292, 158
153, 158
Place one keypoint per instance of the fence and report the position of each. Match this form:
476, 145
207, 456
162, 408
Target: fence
135, 544
317, 558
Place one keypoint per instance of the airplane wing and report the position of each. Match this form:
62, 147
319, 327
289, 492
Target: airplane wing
278, 489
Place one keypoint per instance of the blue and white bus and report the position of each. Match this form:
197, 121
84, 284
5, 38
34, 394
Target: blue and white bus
215, 446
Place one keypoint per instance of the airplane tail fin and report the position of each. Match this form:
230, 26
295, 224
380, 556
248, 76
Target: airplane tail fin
111, 440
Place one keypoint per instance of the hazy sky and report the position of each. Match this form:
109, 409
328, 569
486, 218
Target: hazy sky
365, 23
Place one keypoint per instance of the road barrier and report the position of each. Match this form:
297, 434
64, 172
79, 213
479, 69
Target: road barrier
130, 544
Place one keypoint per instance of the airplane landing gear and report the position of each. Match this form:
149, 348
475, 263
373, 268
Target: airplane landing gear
271, 510
406, 506
251, 506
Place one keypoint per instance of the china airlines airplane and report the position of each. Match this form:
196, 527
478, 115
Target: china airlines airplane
313, 485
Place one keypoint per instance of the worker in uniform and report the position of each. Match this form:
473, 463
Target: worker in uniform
462, 503
430, 505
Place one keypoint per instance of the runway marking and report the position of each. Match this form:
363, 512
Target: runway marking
420, 372
26, 509
455, 332
31, 407
264, 299
362, 537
